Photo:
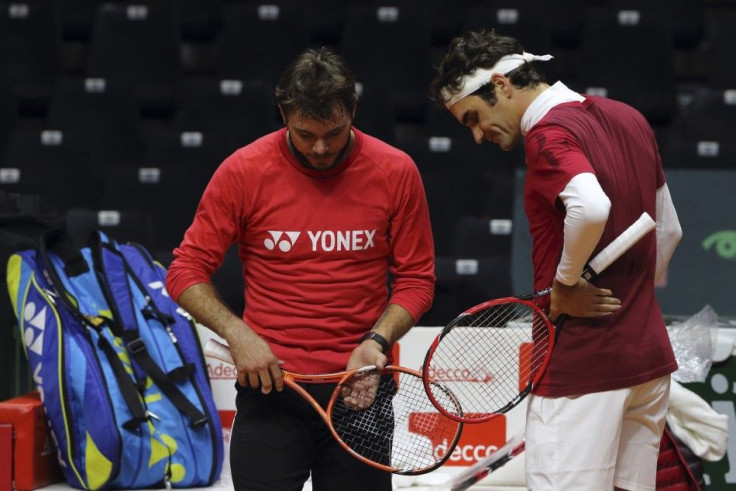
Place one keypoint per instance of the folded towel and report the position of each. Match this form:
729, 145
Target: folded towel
697, 424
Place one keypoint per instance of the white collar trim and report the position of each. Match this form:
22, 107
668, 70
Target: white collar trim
553, 96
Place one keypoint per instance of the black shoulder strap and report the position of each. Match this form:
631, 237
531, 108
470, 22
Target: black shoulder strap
117, 279
57, 242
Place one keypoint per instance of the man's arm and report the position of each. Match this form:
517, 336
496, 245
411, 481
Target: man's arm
392, 325
668, 231
587, 208
256, 364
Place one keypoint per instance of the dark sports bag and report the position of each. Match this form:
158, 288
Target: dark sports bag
678, 468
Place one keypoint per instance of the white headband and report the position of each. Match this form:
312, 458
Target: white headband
482, 76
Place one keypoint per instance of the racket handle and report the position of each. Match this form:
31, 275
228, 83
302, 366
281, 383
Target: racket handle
215, 349
486, 466
621, 244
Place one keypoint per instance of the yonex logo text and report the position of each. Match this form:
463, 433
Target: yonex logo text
347, 240
323, 240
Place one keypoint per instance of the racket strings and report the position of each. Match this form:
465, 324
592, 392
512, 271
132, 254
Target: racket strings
401, 429
490, 357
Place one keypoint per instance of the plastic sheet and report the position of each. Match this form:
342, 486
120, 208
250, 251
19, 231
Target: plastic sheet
693, 343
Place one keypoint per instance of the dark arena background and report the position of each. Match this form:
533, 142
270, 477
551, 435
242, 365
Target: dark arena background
114, 115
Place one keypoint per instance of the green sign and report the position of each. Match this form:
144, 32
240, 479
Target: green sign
719, 390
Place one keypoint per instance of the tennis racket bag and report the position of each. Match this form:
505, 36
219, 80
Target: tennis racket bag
118, 364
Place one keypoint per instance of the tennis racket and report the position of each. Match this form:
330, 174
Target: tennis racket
396, 428
482, 468
493, 354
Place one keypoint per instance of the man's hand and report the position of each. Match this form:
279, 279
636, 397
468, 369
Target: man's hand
581, 300
256, 364
367, 353
361, 391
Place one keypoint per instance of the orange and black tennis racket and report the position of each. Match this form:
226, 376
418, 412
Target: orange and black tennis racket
493, 354
390, 423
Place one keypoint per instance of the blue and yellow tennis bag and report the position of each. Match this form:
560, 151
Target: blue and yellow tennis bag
118, 364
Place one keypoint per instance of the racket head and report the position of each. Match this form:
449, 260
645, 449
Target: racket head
490, 357
394, 427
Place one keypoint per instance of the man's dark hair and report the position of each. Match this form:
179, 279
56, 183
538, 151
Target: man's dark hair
480, 49
316, 83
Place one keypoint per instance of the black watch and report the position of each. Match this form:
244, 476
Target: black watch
377, 338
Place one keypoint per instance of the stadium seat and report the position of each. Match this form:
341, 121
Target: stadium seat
185, 162
370, 44
463, 282
684, 16
30, 50
106, 111
199, 20
720, 39
242, 109
138, 42
375, 113
50, 161
8, 114
482, 236
325, 19
709, 115
77, 18
460, 179
194, 153
525, 21
446, 18
440, 122
685, 152
638, 68
566, 17
257, 40
148, 191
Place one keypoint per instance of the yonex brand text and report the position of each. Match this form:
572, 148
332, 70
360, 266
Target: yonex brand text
322, 240
342, 240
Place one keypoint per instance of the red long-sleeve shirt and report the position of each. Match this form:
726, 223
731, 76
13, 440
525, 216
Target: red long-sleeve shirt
317, 246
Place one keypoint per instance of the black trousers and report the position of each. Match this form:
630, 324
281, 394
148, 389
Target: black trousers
279, 439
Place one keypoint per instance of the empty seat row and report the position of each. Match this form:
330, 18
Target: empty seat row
202, 19
140, 42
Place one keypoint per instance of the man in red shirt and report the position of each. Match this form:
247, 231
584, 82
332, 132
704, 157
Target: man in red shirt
323, 215
596, 418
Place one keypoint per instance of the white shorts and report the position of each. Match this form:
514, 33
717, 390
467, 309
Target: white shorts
596, 441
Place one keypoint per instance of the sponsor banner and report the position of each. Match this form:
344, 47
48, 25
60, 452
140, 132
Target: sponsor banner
477, 442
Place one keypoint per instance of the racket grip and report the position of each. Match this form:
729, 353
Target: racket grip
620, 244
215, 349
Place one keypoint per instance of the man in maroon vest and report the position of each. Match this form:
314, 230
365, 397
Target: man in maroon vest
595, 421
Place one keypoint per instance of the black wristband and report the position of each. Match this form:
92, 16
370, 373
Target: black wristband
377, 338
